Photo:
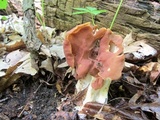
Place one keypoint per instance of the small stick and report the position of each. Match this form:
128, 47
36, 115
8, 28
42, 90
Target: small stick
4, 99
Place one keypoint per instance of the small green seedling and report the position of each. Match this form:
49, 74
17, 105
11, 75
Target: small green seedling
92, 10
3, 4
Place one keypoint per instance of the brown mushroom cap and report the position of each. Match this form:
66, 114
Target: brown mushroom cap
77, 48
79, 45
110, 59
110, 56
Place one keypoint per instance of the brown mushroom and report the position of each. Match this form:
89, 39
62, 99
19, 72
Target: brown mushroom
94, 71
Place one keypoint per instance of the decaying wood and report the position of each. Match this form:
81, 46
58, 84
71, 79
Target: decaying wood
142, 17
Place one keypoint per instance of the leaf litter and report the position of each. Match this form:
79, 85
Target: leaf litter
135, 96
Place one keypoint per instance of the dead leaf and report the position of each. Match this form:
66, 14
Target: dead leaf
59, 86
149, 107
40, 36
108, 112
140, 50
11, 62
2, 49
45, 50
137, 51
8, 80
57, 50
14, 45
128, 40
62, 65
152, 107
154, 69
47, 64
14, 57
14, 23
48, 32
59, 39
28, 66
4, 65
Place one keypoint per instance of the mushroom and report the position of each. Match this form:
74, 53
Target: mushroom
109, 64
97, 57
77, 45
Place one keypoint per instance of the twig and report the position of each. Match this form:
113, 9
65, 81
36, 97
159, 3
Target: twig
42, 81
100, 110
22, 110
4, 99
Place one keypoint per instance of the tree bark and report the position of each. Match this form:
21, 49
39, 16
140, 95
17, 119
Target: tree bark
142, 17
30, 39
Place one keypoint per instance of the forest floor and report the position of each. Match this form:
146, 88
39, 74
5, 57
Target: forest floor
24, 104
49, 95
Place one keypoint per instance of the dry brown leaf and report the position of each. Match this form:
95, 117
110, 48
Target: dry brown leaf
14, 45
153, 68
59, 86
40, 36
149, 107
2, 49
8, 80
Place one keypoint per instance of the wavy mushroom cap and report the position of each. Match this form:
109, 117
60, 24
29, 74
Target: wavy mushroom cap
110, 60
78, 45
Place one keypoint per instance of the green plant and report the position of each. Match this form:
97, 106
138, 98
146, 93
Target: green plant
3, 18
92, 10
41, 17
115, 15
3, 4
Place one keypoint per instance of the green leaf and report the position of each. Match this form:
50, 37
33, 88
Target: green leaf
81, 12
91, 8
80, 9
98, 12
4, 18
3, 4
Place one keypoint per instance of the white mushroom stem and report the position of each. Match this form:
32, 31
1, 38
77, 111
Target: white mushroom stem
83, 83
99, 95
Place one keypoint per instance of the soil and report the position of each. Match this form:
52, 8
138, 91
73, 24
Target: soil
20, 102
